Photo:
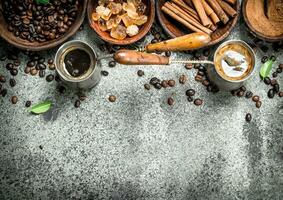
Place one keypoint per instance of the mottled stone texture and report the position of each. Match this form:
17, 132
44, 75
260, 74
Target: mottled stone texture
139, 147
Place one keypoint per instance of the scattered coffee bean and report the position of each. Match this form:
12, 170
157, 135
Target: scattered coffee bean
12, 82
255, 98
49, 77
50, 61
2, 79
274, 74
243, 88
167, 53
276, 88
14, 72
240, 93
164, 84
258, 104
140, 73
273, 82
200, 73
196, 66
198, 102
190, 92
28, 104
77, 103
248, 117
14, 99
234, 92
215, 89
279, 70
52, 67
271, 93
189, 66
27, 70
112, 98
264, 59
112, 64
40, 147
154, 41
147, 86
182, 79
171, 83
104, 73
17, 62
205, 83
280, 94
198, 78
41, 73
154, 80
61, 89
273, 58
33, 71
190, 99
249, 94
157, 86
9, 66
31, 64
170, 101
267, 80
82, 97
4, 92
280, 66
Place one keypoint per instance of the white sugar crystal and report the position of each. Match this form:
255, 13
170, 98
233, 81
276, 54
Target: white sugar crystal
132, 30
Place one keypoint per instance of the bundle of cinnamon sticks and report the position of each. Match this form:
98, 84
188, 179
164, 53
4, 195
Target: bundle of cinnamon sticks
201, 15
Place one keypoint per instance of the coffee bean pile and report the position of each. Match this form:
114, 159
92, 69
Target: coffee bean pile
39, 22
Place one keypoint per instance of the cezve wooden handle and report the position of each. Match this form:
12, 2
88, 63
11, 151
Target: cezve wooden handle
129, 57
183, 43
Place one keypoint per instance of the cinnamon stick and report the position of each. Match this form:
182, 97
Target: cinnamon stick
188, 9
231, 1
209, 11
218, 10
180, 19
201, 13
190, 3
177, 10
227, 8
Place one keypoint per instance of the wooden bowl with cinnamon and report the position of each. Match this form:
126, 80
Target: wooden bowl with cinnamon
214, 17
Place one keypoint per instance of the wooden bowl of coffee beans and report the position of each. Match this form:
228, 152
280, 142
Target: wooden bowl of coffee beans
37, 25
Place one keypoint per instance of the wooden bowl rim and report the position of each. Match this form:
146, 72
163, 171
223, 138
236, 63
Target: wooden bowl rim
49, 44
213, 42
129, 40
255, 32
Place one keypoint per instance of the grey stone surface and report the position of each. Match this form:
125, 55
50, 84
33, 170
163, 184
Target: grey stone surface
139, 147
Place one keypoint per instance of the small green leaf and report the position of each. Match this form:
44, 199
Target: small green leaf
266, 68
42, 1
41, 107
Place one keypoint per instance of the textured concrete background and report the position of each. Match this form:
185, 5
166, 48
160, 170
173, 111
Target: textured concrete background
139, 147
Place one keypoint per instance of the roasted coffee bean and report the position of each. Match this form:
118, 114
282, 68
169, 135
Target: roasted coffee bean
280, 66
147, 86
9, 66
264, 48
4, 92
82, 97
215, 89
182, 79
33, 71
243, 88
198, 78
276, 88
14, 72
28, 104
154, 41
50, 61
258, 104
189, 66
57, 78
112, 98
190, 99
41, 66
61, 89
206, 52
12, 82
190, 92
2, 79
31, 64
248, 117
41, 73
249, 94
112, 64
280, 94
255, 98
52, 67
279, 70
205, 83
77, 103
264, 59
201, 68
154, 80
273, 58
164, 84
157, 86
140, 73
196, 66
170, 101
17, 62
167, 53
273, 82
104, 73
14, 99
50, 78
234, 92
271, 93
240, 93
198, 102
274, 74
267, 80
171, 83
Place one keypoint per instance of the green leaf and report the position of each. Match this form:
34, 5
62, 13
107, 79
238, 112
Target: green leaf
266, 68
42, 1
41, 107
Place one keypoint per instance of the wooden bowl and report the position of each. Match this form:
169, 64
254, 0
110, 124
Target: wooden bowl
174, 29
144, 29
254, 31
38, 46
